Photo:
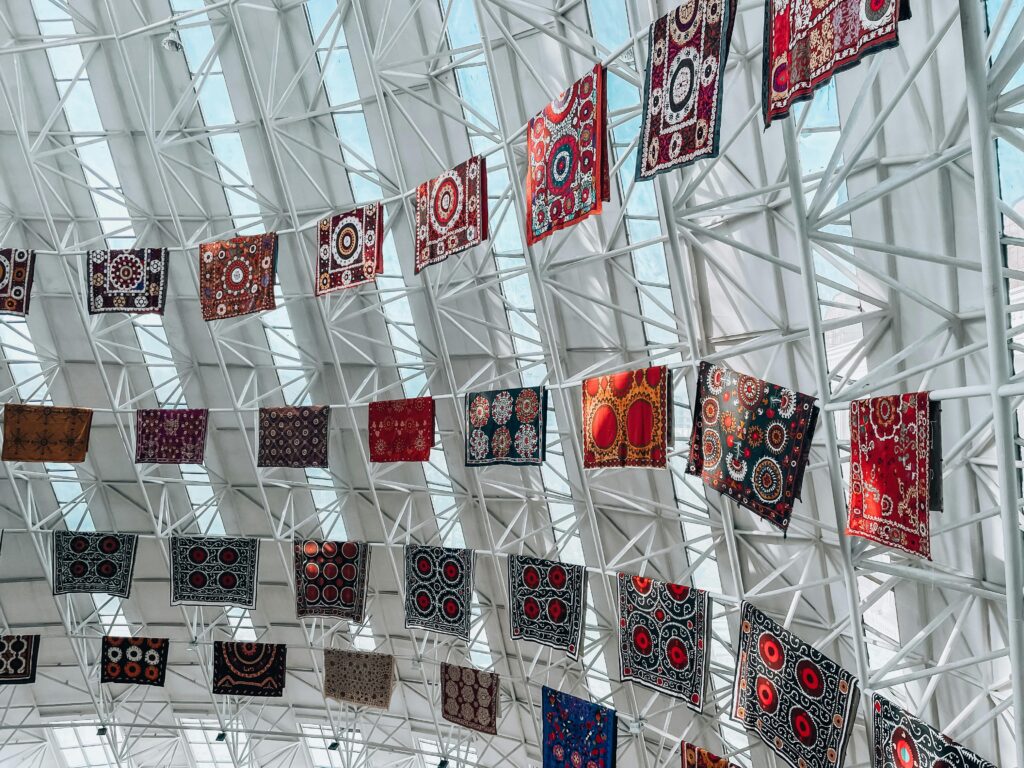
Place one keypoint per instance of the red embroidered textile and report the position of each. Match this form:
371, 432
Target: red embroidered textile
451, 212
351, 249
806, 43
567, 177
401, 430
627, 418
236, 277
892, 448
698, 757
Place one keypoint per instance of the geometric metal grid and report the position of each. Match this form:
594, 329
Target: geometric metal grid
868, 244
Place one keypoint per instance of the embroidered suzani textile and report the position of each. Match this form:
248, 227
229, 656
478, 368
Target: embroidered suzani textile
664, 637
439, 589
214, 570
547, 601
806, 43
93, 562
801, 703
451, 212
134, 660
687, 53
294, 436
567, 158
351, 249
627, 418
170, 436
698, 757
17, 269
895, 464
401, 430
331, 578
506, 426
42, 433
18, 657
904, 741
249, 669
236, 277
359, 677
751, 440
576, 733
133, 281
469, 697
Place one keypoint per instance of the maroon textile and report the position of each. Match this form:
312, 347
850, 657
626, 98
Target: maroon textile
451, 212
294, 437
401, 430
170, 436
17, 268
351, 249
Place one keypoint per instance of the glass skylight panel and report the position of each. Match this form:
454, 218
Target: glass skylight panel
207, 752
80, 747
350, 752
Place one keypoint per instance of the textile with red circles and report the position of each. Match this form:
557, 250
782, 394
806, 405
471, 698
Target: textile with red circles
577, 734
687, 53
567, 155
170, 436
627, 418
18, 657
451, 212
236, 277
42, 433
469, 697
904, 741
805, 44
547, 601
214, 570
134, 660
664, 637
93, 562
506, 426
330, 578
799, 702
751, 440
351, 249
133, 281
401, 430
698, 757
294, 437
17, 268
249, 669
891, 471
439, 589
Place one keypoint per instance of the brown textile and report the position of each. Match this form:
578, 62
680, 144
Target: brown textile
358, 677
469, 697
45, 433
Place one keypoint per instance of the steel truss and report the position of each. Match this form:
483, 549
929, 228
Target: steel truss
761, 274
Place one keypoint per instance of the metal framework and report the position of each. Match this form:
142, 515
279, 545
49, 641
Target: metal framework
869, 244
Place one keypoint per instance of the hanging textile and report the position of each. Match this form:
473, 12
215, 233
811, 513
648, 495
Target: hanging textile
134, 660
506, 426
294, 437
93, 562
133, 281
627, 419
401, 430
751, 440
17, 269
438, 589
546, 602
805, 44
567, 155
18, 657
664, 637
331, 578
687, 50
236, 277
697, 757
351, 249
469, 697
249, 669
451, 212
904, 741
44, 433
214, 570
170, 436
576, 732
360, 678
895, 462
801, 703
